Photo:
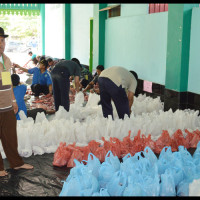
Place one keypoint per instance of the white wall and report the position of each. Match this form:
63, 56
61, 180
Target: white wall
138, 42
80, 31
55, 30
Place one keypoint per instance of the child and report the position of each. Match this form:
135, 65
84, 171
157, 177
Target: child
19, 92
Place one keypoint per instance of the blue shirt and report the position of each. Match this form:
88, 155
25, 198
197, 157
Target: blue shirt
19, 92
40, 78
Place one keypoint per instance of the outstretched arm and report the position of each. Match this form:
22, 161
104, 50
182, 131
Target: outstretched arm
23, 69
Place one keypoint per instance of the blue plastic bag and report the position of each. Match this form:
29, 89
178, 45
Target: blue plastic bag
133, 188
165, 159
93, 164
149, 154
167, 185
113, 160
106, 172
117, 184
103, 192
183, 188
151, 186
185, 154
196, 154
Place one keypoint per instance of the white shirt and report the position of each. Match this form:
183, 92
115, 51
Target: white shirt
120, 76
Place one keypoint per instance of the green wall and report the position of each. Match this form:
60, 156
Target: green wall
194, 62
139, 43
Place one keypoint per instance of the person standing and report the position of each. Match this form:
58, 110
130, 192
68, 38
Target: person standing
61, 82
8, 109
113, 83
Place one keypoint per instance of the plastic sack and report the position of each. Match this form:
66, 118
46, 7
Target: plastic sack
162, 141
183, 188
93, 164
106, 172
194, 188
103, 192
117, 184
167, 185
79, 99
77, 154
196, 154
149, 154
164, 160
93, 145
178, 139
113, 160
100, 153
133, 188
61, 156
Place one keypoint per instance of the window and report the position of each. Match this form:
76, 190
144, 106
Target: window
158, 7
113, 11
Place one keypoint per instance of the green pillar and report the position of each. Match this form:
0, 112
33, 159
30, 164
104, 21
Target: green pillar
178, 46
91, 46
42, 11
177, 63
67, 32
102, 18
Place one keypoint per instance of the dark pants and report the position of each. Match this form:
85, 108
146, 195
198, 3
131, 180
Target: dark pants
37, 89
61, 86
110, 91
8, 136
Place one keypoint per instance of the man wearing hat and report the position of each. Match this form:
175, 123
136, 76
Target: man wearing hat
41, 82
8, 108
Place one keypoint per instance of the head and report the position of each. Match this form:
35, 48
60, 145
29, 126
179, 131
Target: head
99, 69
43, 64
50, 61
76, 61
15, 79
135, 75
38, 58
35, 61
30, 53
2, 40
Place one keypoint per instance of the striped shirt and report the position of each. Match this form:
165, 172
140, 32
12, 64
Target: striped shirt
5, 90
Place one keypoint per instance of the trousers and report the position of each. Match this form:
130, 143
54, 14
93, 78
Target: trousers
61, 87
110, 91
37, 89
8, 136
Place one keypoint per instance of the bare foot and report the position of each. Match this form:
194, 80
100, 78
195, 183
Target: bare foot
24, 166
3, 173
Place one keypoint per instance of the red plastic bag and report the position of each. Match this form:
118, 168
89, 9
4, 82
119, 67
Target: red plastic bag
162, 141
138, 142
106, 144
127, 140
189, 137
178, 140
100, 153
195, 139
78, 155
115, 148
61, 156
93, 145
150, 143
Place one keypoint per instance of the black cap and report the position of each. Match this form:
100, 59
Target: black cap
2, 33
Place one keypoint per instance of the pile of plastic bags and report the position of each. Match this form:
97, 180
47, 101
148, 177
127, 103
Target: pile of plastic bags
65, 154
171, 174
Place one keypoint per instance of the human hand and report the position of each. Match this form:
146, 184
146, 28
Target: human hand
16, 65
15, 107
48, 95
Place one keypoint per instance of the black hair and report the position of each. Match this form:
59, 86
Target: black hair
30, 52
15, 79
76, 60
35, 61
45, 63
42, 57
84, 83
100, 67
49, 59
134, 74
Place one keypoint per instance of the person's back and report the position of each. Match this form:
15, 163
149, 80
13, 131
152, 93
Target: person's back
19, 92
